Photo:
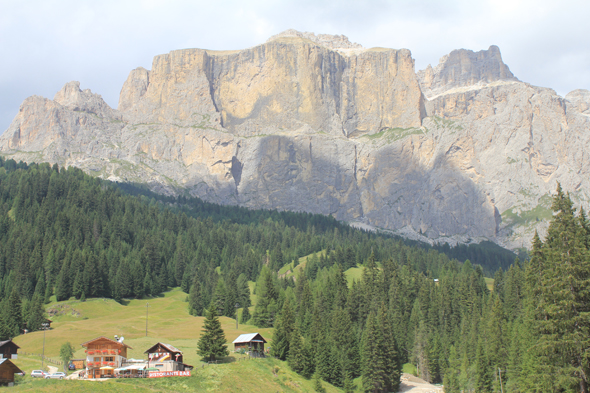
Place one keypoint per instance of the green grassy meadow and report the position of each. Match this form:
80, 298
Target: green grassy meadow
262, 375
168, 322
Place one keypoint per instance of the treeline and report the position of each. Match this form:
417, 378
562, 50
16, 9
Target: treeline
487, 254
530, 334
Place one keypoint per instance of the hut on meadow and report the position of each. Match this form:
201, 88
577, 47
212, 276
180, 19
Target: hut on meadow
253, 343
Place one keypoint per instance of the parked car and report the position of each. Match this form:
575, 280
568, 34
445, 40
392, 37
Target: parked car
38, 374
59, 375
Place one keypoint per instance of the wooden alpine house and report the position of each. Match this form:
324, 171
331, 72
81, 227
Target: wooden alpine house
103, 355
8, 350
7, 371
165, 357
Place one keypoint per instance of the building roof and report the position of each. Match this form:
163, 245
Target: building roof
250, 337
167, 346
6, 362
104, 338
2, 343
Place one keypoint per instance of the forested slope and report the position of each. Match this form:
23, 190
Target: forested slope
65, 233
531, 334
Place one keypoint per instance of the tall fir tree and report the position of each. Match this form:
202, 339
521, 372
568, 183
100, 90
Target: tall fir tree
282, 332
562, 316
211, 344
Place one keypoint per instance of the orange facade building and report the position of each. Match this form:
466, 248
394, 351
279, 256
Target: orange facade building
103, 356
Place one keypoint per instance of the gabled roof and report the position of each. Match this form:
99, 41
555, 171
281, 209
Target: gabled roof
7, 362
2, 343
250, 337
104, 338
167, 346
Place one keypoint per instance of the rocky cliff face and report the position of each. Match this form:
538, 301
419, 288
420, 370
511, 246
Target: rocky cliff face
319, 124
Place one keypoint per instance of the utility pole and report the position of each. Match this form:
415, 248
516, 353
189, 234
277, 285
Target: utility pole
147, 305
501, 387
237, 306
44, 325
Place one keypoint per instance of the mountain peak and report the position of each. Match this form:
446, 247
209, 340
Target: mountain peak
463, 67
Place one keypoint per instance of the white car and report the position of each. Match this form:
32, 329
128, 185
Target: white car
38, 374
59, 375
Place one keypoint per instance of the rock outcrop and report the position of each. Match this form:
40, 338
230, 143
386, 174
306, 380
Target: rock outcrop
319, 124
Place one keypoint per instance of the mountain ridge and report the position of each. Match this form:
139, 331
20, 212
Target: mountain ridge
319, 124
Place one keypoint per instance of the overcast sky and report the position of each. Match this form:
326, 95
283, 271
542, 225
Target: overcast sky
45, 44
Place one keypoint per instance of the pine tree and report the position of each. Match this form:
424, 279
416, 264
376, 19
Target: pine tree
245, 316
317, 384
282, 331
296, 357
14, 320
220, 296
195, 302
243, 291
562, 315
372, 374
451, 378
36, 315
392, 367
212, 341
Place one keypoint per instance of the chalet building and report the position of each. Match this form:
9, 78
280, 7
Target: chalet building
7, 371
103, 355
8, 350
252, 343
165, 357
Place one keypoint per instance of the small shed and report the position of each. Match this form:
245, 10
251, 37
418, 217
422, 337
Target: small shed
78, 363
250, 342
8, 350
7, 371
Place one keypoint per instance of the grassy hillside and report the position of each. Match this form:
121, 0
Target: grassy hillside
169, 322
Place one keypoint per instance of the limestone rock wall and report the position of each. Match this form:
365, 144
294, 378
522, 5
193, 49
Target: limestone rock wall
286, 84
319, 124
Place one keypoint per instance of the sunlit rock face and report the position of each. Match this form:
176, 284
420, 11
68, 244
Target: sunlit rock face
459, 151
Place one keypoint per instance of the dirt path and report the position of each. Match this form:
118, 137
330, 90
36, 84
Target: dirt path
411, 384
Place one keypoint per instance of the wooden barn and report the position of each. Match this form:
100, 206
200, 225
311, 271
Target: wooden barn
7, 371
8, 350
251, 342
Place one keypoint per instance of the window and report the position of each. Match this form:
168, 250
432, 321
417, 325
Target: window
109, 359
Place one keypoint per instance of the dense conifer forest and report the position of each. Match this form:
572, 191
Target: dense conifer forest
66, 234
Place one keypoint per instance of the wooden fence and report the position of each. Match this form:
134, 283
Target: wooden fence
48, 360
